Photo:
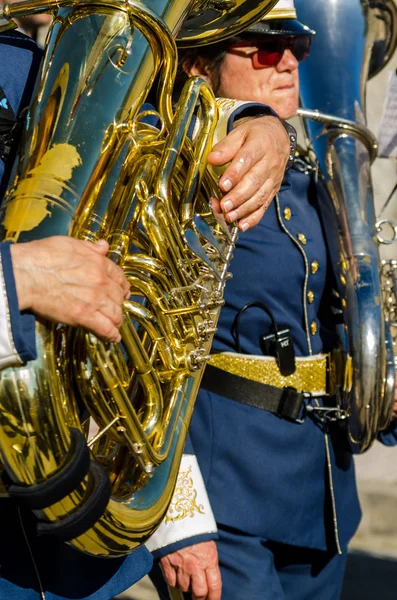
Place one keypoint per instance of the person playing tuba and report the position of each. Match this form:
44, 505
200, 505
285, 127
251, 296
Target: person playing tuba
71, 281
266, 501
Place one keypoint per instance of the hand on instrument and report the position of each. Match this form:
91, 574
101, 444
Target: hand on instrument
194, 569
258, 151
71, 281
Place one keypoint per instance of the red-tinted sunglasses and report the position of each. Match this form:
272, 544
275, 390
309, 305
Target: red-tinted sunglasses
269, 53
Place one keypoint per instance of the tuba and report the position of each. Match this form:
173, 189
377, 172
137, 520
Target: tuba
96, 163
345, 149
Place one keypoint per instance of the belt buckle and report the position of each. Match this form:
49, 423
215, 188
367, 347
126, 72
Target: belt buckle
328, 413
289, 397
307, 396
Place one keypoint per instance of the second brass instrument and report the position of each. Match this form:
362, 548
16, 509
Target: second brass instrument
335, 113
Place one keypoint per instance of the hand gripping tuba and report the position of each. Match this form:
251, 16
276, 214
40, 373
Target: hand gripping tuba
93, 166
333, 83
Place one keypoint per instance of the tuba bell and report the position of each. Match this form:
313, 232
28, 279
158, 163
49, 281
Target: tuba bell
333, 107
95, 163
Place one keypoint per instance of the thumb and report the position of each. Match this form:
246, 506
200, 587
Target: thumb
225, 150
101, 246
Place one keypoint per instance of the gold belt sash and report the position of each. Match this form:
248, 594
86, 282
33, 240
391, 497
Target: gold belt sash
310, 374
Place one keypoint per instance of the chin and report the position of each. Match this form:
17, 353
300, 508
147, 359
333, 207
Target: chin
285, 110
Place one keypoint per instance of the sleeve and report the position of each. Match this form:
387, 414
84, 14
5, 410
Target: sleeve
17, 329
189, 519
231, 111
388, 437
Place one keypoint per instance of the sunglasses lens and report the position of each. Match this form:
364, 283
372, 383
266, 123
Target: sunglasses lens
266, 58
301, 47
270, 53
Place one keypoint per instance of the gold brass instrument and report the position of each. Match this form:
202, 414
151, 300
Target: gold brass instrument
345, 149
93, 165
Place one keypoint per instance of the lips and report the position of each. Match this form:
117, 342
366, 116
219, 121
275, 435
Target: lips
286, 86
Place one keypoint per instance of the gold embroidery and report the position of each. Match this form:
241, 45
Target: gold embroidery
226, 103
184, 500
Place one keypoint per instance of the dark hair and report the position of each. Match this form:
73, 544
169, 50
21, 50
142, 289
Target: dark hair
214, 55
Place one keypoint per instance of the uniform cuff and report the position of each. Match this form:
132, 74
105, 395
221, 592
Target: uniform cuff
232, 110
388, 437
249, 109
189, 515
197, 539
17, 339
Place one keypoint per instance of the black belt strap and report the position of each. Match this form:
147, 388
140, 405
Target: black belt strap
58, 486
285, 402
63, 483
85, 517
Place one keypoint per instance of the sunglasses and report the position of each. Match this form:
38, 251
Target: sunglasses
269, 53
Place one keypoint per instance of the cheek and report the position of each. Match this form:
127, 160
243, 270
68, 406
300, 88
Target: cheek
244, 84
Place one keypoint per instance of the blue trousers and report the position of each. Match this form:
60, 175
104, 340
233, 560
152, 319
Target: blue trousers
255, 569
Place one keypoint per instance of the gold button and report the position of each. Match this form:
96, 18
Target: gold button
344, 303
287, 213
314, 267
343, 280
313, 328
302, 238
343, 262
310, 296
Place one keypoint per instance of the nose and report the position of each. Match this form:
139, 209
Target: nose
288, 62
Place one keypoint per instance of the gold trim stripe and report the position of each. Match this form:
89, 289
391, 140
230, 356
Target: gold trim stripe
281, 13
310, 374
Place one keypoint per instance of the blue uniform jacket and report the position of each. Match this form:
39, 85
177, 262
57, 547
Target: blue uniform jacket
264, 475
64, 572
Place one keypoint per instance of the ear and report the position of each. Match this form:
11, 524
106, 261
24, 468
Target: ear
200, 67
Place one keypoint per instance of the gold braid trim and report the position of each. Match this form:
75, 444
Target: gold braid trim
184, 499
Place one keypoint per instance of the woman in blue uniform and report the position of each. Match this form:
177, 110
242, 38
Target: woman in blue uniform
272, 483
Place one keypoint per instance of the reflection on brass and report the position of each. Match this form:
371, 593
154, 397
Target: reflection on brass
93, 166
28, 207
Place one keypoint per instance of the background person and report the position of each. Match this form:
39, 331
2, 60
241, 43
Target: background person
283, 493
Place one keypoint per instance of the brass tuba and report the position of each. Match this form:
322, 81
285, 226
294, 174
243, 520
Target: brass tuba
94, 164
355, 39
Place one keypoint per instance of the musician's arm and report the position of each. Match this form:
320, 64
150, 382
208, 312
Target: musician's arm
259, 148
58, 279
189, 517
17, 338
185, 541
